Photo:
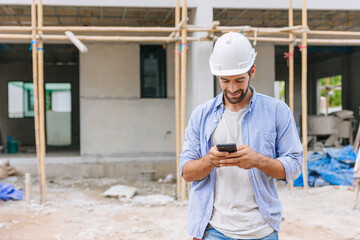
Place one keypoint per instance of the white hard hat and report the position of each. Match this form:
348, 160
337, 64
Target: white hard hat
232, 55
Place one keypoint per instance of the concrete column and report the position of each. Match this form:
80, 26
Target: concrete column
200, 83
265, 69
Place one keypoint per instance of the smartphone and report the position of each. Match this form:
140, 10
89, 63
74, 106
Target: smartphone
228, 147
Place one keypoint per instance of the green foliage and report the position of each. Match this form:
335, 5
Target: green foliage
334, 94
282, 90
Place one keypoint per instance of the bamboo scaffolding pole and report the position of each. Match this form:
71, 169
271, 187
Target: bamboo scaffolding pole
355, 42
16, 36
304, 95
41, 104
291, 70
178, 27
177, 103
89, 29
245, 29
35, 84
214, 26
183, 89
222, 29
334, 33
153, 29
110, 38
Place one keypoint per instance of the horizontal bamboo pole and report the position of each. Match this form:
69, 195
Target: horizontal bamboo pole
334, 41
90, 29
284, 30
146, 29
246, 29
334, 33
89, 38
167, 39
16, 36
172, 30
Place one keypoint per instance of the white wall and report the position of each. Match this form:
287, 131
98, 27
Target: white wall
114, 119
58, 128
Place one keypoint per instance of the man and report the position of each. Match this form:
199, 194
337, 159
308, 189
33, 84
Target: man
234, 195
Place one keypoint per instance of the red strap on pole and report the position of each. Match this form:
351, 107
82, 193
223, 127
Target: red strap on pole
287, 56
301, 47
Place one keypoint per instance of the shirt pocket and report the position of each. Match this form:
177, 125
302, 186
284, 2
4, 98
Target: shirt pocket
265, 143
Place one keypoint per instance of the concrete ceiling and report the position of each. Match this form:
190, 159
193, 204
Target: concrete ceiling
14, 15
317, 20
56, 54
89, 16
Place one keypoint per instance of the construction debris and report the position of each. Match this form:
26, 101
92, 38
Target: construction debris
119, 191
6, 170
9, 192
334, 166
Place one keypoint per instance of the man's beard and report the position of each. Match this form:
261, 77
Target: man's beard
238, 99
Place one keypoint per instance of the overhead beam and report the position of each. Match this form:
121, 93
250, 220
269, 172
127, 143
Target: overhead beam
57, 16
79, 16
258, 16
167, 16
123, 17
237, 16
281, 14
219, 14
145, 16
9, 13
101, 15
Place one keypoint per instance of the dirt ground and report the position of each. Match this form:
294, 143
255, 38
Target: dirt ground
76, 209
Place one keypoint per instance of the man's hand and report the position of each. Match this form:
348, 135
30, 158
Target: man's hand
244, 158
215, 156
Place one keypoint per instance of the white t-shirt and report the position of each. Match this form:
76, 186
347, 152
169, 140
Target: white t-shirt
235, 213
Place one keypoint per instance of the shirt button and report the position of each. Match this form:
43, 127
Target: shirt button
215, 120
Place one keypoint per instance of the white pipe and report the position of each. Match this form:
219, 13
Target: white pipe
82, 48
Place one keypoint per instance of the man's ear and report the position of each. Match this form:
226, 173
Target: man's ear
253, 70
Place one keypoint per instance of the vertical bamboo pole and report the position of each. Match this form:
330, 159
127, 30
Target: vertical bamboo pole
183, 88
41, 103
291, 72
35, 84
177, 102
304, 94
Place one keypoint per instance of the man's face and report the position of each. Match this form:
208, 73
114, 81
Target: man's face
234, 87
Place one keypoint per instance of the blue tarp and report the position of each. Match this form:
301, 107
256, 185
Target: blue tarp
334, 166
8, 192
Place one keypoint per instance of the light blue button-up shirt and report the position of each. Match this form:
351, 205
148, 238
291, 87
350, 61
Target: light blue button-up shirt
269, 128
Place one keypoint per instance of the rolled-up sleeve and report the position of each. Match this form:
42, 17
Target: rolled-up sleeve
289, 148
191, 147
